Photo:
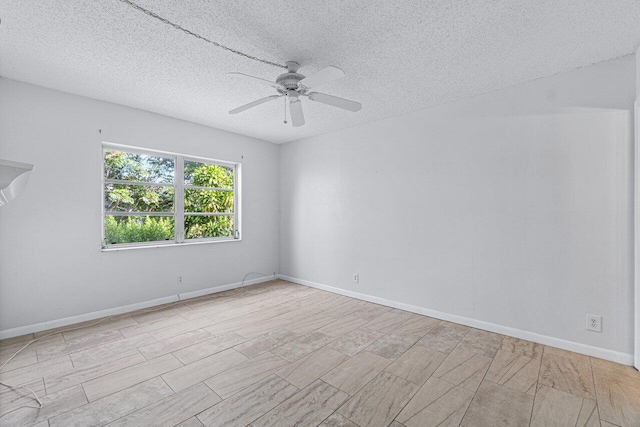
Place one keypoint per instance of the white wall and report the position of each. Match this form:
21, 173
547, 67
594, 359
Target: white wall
51, 265
512, 208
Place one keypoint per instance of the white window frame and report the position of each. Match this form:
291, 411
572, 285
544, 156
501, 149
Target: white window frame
178, 185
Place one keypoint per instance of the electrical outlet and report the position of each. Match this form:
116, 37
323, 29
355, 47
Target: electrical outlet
179, 279
594, 323
356, 278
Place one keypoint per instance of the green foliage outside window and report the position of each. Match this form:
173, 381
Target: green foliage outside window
159, 198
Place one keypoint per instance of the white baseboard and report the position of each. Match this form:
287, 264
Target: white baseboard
602, 353
43, 326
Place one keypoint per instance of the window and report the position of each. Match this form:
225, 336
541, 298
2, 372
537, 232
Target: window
153, 198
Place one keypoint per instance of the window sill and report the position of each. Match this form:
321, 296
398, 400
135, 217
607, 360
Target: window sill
166, 245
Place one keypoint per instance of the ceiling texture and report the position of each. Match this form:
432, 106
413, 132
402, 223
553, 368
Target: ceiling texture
398, 56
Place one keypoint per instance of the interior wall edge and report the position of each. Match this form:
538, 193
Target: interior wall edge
66, 321
602, 353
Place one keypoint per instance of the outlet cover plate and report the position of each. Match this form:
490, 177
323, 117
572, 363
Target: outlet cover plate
594, 323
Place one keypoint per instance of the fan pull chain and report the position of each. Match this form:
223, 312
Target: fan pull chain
191, 33
285, 110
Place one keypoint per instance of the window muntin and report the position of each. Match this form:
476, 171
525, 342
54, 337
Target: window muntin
209, 200
146, 203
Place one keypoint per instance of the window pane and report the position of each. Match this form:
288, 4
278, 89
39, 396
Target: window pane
138, 167
138, 198
208, 226
207, 175
133, 229
210, 201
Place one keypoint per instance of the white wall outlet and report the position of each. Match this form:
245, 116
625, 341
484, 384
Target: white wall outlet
356, 278
179, 279
594, 323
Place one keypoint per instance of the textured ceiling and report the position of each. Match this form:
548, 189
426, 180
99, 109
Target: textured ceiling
399, 56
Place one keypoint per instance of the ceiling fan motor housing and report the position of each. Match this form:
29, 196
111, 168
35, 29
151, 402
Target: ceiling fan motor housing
289, 81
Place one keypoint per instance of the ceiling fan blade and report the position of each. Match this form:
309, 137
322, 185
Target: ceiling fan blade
256, 80
327, 75
254, 103
295, 109
335, 101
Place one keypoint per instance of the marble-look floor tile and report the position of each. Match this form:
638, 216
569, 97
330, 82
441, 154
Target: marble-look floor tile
308, 369
249, 404
417, 325
21, 339
84, 373
208, 347
378, 403
370, 311
463, 368
12, 399
157, 325
456, 326
171, 410
618, 392
24, 358
345, 309
392, 345
78, 344
481, 342
388, 321
302, 346
191, 422
441, 338
417, 364
337, 420
351, 375
309, 323
495, 405
558, 408
238, 323
109, 325
153, 315
447, 364
246, 373
257, 329
528, 349
208, 308
307, 408
160, 348
180, 328
110, 408
571, 374
119, 380
515, 371
437, 403
110, 350
577, 357
264, 343
342, 326
52, 404
36, 371
203, 369
42, 343
355, 341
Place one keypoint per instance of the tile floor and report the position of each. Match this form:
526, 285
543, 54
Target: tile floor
280, 354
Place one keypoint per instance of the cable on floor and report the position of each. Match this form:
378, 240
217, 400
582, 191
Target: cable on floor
162, 307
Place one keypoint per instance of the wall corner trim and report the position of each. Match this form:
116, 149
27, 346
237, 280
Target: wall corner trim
66, 321
602, 353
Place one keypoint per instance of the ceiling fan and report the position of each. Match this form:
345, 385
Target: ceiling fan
294, 86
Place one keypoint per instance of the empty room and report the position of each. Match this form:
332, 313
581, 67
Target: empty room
334, 213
